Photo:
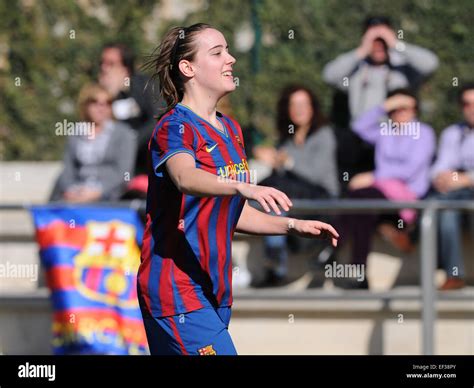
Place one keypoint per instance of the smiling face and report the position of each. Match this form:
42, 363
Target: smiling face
211, 68
300, 109
99, 108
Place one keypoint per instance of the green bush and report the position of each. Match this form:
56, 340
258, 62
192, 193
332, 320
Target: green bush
49, 49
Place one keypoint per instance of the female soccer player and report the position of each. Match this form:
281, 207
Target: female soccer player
199, 184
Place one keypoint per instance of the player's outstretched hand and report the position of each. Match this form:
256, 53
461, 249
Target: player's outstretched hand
268, 197
312, 229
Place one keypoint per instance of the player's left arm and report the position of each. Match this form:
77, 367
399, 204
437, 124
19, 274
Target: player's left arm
256, 222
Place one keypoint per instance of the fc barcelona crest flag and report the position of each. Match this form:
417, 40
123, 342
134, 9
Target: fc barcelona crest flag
91, 256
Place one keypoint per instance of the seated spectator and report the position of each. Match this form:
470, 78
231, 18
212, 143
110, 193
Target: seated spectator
404, 149
363, 77
304, 166
132, 103
380, 64
97, 167
453, 179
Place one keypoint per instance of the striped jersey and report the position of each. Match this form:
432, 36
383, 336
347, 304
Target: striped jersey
186, 261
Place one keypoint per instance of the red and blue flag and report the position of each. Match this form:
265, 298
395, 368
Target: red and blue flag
91, 256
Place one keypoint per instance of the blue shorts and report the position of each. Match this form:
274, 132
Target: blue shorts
199, 332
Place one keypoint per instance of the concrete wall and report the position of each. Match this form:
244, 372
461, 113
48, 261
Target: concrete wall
278, 326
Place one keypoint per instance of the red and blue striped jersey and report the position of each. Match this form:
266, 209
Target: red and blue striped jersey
186, 260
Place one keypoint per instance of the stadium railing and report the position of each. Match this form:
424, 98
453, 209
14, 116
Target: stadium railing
428, 209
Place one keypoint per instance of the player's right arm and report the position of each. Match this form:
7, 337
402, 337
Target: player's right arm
190, 180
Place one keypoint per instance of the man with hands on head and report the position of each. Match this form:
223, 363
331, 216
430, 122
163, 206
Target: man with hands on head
381, 63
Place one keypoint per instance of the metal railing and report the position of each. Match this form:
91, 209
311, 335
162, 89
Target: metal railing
428, 236
429, 244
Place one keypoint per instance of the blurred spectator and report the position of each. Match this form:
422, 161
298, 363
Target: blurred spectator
364, 76
98, 164
304, 166
132, 102
453, 179
380, 64
404, 149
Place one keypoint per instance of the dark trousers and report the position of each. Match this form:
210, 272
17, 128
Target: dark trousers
360, 227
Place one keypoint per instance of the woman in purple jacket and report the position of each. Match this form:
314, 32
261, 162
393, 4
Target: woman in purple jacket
404, 150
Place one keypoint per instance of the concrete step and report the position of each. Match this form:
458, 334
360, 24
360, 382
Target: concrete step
284, 326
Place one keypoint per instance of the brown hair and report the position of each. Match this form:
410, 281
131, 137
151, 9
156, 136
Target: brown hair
88, 94
177, 44
283, 112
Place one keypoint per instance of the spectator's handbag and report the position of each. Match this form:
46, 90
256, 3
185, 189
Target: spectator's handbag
294, 186
297, 188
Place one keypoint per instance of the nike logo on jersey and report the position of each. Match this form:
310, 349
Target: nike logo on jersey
209, 149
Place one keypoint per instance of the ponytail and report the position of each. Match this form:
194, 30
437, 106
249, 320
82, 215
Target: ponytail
177, 44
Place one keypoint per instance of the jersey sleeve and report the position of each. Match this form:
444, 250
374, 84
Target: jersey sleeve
171, 138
